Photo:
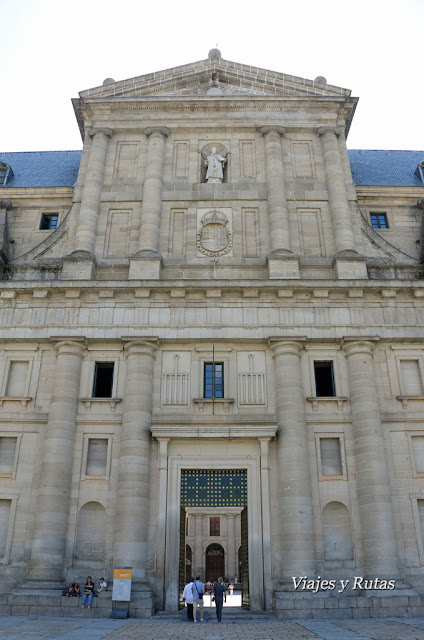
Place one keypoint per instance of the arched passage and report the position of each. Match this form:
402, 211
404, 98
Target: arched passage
215, 562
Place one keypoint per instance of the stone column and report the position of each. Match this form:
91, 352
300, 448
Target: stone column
146, 263
297, 553
281, 262
85, 237
198, 546
375, 506
266, 521
132, 514
230, 565
348, 263
337, 197
49, 539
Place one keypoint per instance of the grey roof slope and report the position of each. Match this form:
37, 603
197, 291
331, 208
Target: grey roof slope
385, 168
60, 168
42, 168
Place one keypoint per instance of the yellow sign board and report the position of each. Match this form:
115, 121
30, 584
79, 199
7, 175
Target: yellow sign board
122, 574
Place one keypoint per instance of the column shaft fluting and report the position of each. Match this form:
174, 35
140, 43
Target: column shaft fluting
297, 554
375, 506
279, 233
337, 195
49, 540
85, 237
132, 513
151, 207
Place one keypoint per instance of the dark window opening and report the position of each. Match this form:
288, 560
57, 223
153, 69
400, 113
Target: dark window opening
103, 380
213, 385
379, 221
49, 221
214, 526
324, 379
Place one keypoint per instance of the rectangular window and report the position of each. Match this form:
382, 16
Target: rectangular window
214, 526
324, 379
379, 221
331, 459
103, 380
96, 457
3, 174
213, 381
49, 221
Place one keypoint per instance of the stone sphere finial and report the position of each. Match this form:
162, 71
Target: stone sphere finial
214, 54
108, 81
320, 80
6, 204
420, 203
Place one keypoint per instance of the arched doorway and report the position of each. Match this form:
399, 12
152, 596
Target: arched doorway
215, 563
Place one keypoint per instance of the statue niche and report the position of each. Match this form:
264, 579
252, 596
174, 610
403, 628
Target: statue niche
214, 163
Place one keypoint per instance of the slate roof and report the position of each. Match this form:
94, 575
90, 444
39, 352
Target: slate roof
42, 168
386, 168
60, 168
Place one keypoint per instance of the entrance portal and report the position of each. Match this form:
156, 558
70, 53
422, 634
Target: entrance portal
215, 563
215, 502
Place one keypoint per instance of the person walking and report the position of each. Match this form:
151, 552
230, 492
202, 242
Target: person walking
198, 591
220, 593
188, 598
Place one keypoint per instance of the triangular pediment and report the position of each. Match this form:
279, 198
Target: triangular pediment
214, 77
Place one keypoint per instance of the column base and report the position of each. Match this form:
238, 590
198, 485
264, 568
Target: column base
79, 265
283, 267
145, 268
350, 268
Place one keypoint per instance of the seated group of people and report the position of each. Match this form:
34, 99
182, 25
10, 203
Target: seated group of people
89, 590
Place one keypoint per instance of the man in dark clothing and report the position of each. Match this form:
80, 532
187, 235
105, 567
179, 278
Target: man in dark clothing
220, 593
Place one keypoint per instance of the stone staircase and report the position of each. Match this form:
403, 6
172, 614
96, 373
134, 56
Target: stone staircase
47, 602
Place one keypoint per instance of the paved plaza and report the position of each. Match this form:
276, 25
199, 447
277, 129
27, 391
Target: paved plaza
43, 628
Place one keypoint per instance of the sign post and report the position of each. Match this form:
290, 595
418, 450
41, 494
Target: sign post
121, 594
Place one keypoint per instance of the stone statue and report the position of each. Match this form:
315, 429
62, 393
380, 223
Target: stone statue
215, 164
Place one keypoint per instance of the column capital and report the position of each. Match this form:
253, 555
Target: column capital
365, 345
140, 346
164, 131
272, 129
327, 129
69, 346
286, 346
106, 132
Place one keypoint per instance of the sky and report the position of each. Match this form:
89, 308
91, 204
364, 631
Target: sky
52, 49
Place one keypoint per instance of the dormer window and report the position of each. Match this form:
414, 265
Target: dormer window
5, 173
419, 171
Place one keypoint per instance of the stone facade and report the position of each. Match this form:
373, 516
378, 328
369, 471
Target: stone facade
279, 272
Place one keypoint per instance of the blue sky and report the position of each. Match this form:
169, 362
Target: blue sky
53, 49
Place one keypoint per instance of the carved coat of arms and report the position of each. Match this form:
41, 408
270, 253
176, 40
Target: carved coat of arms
214, 239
